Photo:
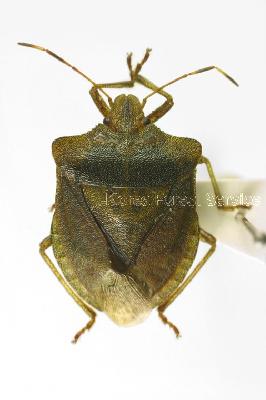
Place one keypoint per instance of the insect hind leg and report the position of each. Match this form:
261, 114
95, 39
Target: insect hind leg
204, 237
44, 245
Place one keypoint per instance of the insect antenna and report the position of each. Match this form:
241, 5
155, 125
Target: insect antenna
51, 53
198, 71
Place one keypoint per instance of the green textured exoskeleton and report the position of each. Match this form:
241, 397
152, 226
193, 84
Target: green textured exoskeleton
125, 230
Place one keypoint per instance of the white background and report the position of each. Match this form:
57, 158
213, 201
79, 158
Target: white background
221, 315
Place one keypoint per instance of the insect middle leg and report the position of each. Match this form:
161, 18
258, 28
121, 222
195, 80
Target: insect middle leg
219, 198
44, 245
204, 237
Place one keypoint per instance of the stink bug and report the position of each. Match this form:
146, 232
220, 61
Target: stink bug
125, 230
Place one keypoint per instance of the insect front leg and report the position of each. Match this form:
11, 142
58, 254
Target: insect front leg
99, 102
44, 245
204, 237
132, 72
135, 77
102, 106
161, 110
158, 113
220, 203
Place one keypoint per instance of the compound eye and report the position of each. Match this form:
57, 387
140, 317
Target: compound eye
106, 121
146, 121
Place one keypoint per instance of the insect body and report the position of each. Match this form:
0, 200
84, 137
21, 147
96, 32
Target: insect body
125, 230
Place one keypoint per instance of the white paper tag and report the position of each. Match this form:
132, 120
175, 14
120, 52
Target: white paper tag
231, 228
